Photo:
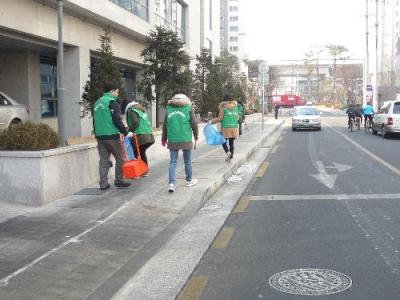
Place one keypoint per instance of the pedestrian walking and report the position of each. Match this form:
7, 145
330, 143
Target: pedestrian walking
139, 123
241, 115
228, 116
107, 128
276, 109
178, 128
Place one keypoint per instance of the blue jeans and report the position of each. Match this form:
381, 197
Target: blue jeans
187, 158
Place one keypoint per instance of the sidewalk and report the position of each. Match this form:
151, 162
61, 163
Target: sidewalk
89, 245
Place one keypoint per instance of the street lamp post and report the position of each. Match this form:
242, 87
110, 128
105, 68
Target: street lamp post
60, 76
263, 69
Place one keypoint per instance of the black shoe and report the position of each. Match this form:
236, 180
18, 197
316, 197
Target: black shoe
106, 187
122, 184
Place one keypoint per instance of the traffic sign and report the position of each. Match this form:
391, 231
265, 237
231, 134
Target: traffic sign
369, 88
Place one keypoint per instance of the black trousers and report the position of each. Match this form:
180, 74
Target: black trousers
231, 145
142, 151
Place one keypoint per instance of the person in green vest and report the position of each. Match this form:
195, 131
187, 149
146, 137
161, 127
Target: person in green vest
242, 116
228, 116
140, 124
178, 128
108, 126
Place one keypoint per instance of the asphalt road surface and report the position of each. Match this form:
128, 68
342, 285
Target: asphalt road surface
321, 219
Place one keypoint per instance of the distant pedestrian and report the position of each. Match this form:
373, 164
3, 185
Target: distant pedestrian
276, 109
139, 123
178, 128
229, 117
242, 115
107, 128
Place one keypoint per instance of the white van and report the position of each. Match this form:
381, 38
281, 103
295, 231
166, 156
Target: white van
387, 119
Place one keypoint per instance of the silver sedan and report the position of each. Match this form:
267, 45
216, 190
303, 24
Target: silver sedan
11, 112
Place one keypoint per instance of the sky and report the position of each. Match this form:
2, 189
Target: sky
286, 29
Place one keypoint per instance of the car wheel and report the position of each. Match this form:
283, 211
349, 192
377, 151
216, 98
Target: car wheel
319, 128
374, 131
385, 134
15, 122
293, 129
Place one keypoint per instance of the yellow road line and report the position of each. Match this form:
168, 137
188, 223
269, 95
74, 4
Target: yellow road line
262, 170
194, 288
223, 238
241, 207
274, 149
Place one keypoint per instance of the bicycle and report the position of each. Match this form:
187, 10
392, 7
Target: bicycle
351, 124
358, 122
368, 125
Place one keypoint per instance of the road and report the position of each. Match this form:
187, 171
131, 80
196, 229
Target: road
326, 200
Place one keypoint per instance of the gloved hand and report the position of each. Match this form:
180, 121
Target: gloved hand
163, 143
130, 135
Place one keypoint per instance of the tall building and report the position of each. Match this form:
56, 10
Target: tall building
28, 47
230, 29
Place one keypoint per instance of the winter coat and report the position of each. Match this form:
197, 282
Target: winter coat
193, 124
142, 138
227, 132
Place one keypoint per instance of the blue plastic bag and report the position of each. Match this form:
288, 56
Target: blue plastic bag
213, 136
130, 155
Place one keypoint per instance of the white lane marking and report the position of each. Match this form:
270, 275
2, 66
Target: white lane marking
76, 239
339, 167
376, 157
324, 197
326, 179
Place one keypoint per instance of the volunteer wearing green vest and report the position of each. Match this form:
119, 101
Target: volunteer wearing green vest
139, 123
107, 126
240, 107
229, 118
178, 128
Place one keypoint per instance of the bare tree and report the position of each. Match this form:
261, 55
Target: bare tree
336, 51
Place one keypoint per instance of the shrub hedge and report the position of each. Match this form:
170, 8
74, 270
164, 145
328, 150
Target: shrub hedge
28, 137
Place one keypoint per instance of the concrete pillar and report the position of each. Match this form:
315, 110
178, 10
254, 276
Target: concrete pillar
20, 79
76, 72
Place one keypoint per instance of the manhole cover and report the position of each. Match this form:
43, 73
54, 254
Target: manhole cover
310, 282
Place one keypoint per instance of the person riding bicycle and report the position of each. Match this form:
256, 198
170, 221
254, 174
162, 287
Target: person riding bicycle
368, 114
358, 112
351, 114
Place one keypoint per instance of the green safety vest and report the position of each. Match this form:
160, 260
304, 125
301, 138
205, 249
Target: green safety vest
144, 122
179, 129
240, 111
103, 123
231, 118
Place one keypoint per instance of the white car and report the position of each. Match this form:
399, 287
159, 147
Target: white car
11, 112
306, 117
387, 119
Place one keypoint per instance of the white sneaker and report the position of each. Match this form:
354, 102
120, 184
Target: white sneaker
191, 183
228, 156
171, 188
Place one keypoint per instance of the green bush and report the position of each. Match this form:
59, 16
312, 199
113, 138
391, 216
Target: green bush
29, 137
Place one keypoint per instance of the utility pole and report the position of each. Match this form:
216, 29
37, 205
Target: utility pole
60, 78
366, 61
375, 92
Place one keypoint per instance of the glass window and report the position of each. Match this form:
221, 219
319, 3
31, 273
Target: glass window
233, 8
233, 39
396, 108
48, 86
137, 7
234, 28
171, 14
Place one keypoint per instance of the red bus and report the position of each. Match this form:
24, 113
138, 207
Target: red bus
286, 100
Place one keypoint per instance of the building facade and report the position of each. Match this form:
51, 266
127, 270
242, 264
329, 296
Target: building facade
28, 47
230, 29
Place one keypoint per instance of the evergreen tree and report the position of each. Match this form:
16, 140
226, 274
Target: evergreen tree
167, 68
104, 70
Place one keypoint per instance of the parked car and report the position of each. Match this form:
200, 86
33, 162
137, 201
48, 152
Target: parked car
306, 117
11, 112
387, 119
